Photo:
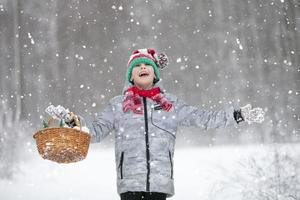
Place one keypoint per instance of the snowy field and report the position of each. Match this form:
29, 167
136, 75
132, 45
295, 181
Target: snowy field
199, 173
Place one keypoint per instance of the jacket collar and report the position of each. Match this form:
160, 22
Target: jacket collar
159, 84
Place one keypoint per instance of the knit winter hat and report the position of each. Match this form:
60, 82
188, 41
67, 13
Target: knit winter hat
148, 56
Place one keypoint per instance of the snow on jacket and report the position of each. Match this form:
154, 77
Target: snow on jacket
144, 143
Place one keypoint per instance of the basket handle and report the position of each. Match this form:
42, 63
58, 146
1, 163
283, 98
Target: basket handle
77, 121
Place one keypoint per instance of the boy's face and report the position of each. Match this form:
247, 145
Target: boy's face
143, 75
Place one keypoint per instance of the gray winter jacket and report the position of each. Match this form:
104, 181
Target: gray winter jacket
144, 143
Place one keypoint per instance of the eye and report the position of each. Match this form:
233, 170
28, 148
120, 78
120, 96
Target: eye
137, 65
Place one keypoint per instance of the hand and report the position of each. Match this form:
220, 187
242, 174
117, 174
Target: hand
252, 115
72, 120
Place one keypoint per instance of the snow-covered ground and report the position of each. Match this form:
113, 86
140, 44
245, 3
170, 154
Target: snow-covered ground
198, 172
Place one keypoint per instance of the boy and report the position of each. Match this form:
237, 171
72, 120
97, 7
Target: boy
145, 120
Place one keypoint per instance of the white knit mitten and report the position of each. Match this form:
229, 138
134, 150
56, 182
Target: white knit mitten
252, 115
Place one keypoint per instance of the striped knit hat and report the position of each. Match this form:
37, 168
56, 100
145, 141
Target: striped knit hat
148, 56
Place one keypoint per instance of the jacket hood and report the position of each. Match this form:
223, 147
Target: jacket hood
158, 84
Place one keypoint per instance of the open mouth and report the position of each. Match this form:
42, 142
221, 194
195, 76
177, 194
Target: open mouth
143, 74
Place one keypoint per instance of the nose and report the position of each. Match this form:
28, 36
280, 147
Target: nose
143, 66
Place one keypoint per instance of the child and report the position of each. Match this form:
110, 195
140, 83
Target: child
145, 119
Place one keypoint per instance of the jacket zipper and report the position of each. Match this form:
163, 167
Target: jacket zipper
170, 156
121, 164
147, 144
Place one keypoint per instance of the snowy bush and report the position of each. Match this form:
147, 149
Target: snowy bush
272, 175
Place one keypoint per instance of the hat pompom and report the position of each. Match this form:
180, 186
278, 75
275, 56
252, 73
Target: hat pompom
162, 60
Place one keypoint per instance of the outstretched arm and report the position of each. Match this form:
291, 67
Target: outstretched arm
194, 116
98, 129
101, 126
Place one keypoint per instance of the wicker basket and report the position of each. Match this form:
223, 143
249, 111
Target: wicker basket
62, 145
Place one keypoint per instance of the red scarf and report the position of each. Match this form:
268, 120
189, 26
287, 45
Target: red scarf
132, 100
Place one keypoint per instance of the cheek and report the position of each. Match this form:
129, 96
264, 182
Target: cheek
133, 73
152, 74
151, 70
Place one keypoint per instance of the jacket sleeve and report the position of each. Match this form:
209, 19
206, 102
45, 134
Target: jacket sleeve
101, 126
192, 116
